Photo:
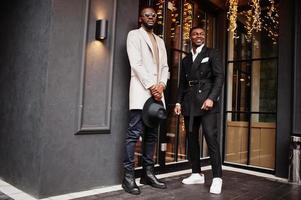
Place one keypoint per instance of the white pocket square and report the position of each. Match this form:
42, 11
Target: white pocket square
205, 60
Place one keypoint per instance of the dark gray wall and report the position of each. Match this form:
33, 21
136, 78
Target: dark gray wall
24, 39
80, 162
297, 71
285, 87
56, 79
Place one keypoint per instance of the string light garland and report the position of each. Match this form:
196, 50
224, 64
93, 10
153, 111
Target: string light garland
187, 19
272, 21
232, 16
160, 7
174, 16
256, 12
257, 19
253, 20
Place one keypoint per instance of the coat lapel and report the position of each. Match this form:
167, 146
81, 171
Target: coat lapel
198, 60
146, 39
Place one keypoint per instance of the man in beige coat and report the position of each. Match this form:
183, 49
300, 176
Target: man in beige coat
149, 74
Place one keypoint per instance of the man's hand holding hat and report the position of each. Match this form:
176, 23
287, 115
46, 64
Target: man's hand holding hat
157, 91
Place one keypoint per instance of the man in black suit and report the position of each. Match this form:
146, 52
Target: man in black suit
201, 82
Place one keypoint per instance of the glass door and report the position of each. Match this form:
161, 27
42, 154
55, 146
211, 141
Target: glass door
250, 115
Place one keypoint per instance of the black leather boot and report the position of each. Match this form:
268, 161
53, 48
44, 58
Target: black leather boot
129, 184
148, 177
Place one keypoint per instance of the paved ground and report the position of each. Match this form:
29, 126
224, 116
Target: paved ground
236, 186
4, 197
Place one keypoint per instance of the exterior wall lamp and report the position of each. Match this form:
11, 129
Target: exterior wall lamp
101, 29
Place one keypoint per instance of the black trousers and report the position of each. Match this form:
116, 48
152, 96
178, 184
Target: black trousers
210, 131
137, 128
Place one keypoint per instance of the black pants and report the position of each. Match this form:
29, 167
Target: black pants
209, 124
137, 128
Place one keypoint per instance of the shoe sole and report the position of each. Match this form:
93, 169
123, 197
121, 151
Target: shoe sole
128, 191
195, 183
148, 183
215, 192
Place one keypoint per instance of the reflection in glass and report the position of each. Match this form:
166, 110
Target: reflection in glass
159, 7
138, 153
260, 45
256, 78
175, 136
187, 24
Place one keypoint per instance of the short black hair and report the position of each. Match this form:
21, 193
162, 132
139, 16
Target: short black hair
196, 27
145, 7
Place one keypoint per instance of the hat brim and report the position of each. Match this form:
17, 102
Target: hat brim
147, 120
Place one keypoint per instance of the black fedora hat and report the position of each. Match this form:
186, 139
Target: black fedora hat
153, 112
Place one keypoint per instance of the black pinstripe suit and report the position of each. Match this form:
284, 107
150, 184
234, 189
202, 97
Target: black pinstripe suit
200, 80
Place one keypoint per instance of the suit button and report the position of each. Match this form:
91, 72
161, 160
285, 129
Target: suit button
200, 91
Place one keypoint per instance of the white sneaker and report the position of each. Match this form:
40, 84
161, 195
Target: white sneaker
216, 186
194, 178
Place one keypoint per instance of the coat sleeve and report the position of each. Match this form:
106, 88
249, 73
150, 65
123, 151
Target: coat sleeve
164, 67
218, 75
135, 58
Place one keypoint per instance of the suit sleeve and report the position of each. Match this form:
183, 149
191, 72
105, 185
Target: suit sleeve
182, 85
218, 76
135, 58
164, 66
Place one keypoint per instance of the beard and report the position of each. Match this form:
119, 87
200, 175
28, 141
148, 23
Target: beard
148, 26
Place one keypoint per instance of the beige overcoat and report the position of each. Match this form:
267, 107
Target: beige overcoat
144, 70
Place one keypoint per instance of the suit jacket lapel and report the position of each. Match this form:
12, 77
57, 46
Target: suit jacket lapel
146, 39
198, 60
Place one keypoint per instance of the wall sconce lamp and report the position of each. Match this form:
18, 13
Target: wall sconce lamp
101, 29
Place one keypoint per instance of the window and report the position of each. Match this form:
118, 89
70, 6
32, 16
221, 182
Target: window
251, 97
